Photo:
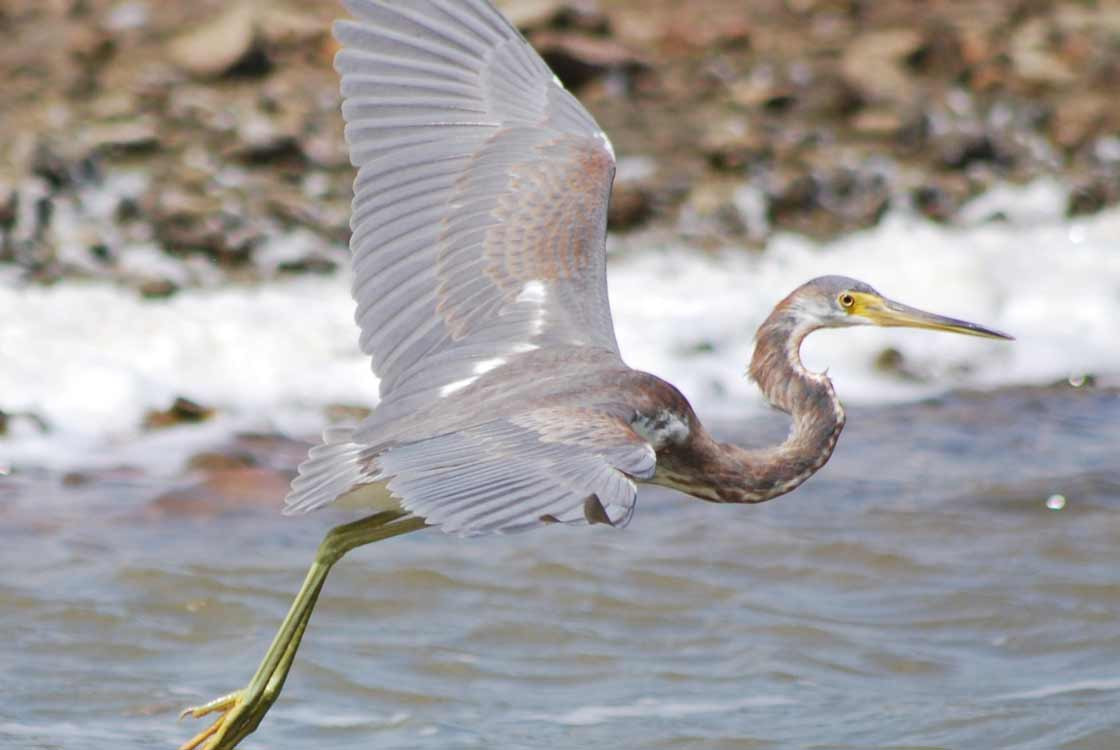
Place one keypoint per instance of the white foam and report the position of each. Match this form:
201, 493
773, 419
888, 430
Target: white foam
93, 358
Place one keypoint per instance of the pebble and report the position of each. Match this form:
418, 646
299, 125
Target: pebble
874, 64
577, 58
181, 410
223, 491
216, 47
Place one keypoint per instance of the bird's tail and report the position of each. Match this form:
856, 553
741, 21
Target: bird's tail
331, 469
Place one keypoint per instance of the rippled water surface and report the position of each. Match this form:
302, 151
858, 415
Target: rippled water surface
918, 593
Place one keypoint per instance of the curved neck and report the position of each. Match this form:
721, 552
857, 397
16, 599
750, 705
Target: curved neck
738, 475
725, 473
808, 397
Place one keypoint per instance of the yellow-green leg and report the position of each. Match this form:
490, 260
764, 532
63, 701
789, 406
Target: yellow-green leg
242, 710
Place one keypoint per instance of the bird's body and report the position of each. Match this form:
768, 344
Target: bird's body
653, 434
479, 223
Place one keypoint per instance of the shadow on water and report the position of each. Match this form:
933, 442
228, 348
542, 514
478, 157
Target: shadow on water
948, 580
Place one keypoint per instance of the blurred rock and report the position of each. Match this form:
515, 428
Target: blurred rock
686, 28
269, 449
326, 150
878, 122
90, 47
181, 410
790, 194
157, 288
1091, 194
346, 412
1081, 117
22, 421
892, 361
224, 490
731, 143
186, 222
875, 63
125, 16
221, 45
711, 215
131, 136
961, 149
308, 264
329, 218
61, 165
9, 210
264, 139
827, 201
761, 89
1034, 58
529, 15
577, 58
829, 96
280, 26
214, 461
941, 197
631, 206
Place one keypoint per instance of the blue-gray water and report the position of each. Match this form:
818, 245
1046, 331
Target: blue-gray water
917, 593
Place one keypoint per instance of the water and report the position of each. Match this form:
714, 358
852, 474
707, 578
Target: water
917, 593
947, 581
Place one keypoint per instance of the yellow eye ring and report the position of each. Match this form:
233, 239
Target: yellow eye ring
846, 300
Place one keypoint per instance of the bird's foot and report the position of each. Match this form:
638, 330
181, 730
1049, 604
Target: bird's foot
239, 717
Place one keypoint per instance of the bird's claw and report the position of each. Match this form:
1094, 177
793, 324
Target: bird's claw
218, 704
222, 733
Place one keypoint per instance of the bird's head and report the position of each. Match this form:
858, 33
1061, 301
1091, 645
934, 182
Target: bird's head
839, 302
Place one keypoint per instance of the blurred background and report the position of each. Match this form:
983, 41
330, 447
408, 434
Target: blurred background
176, 327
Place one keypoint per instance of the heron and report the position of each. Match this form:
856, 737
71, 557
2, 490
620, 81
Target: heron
479, 258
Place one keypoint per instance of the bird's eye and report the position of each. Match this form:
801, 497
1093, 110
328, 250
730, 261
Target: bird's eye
846, 300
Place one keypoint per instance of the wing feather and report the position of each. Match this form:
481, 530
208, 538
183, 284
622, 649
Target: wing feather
511, 474
478, 233
459, 129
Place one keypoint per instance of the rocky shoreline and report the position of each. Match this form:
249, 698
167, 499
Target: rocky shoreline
159, 147
164, 145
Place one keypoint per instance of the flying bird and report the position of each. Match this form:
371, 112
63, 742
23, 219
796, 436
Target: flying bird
479, 226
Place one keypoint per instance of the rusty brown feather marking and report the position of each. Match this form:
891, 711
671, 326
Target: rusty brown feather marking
548, 226
587, 427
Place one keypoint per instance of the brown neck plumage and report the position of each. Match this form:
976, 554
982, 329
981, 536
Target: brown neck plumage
736, 475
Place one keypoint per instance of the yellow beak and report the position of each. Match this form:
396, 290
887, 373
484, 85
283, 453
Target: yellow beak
888, 313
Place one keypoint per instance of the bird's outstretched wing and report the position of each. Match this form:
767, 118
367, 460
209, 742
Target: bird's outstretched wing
480, 202
478, 245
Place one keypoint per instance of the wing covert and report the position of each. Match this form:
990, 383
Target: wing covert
545, 466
